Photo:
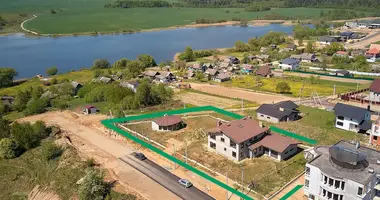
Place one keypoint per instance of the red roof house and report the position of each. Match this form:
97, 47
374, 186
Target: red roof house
167, 123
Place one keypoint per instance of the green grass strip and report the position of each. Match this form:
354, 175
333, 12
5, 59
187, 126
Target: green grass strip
110, 123
291, 192
293, 135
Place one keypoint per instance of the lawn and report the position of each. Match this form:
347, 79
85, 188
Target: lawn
268, 174
82, 20
323, 87
319, 125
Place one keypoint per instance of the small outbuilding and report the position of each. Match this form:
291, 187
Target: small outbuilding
167, 123
90, 110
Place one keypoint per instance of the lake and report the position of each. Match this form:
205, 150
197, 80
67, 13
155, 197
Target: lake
32, 55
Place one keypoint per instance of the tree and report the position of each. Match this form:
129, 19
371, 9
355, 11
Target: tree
245, 58
4, 108
333, 48
134, 68
241, 46
60, 104
54, 81
215, 58
309, 47
36, 106
93, 187
6, 77
9, 148
199, 76
283, 87
188, 55
300, 42
21, 99
40, 129
101, 64
24, 135
36, 92
120, 64
53, 11
146, 60
5, 130
143, 94
51, 151
52, 71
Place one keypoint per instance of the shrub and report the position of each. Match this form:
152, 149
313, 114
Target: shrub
40, 129
51, 151
283, 87
9, 148
90, 163
54, 81
52, 71
93, 187
101, 64
24, 135
36, 106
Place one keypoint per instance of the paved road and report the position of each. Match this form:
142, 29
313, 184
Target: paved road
165, 178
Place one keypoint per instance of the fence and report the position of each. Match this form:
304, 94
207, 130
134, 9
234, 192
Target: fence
110, 123
321, 74
352, 96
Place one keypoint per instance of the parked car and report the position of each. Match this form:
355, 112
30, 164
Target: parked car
185, 183
140, 156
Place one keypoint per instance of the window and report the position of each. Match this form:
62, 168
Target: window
306, 183
307, 171
329, 195
325, 181
331, 182
339, 123
268, 117
341, 117
342, 186
262, 115
312, 197
212, 145
234, 154
232, 144
222, 139
341, 197
374, 137
225, 149
212, 137
337, 184
336, 197
324, 192
360, 191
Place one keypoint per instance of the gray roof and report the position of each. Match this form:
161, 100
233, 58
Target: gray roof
105, 79
129, 83
75, 84
327, 39
339, 160
289, 61
151, 73
212, 72
349, 111
275, 111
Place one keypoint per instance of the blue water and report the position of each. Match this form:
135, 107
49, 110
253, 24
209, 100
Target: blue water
32, 55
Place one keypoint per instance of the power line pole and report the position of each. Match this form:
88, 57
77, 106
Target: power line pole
186, 152
334, 89
242, 103
227, 185
242, 180
174, 156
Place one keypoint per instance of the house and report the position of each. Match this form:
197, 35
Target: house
264, 71
224, 65
291, 47
90, 110
374, 137
165, 77
167, 123
76, 86
130, 84
327, 40
209, 65
305, 57
289, 64
374, 91
189, 74
247, 69
197, 67
283, 111
104, 79
150, 74
222, 77
374, 51
343, 72
273, 46
347, 35
343, 171
341, 53
248, 138
212, 73
233, 60
7, 100
352, 118
262, 57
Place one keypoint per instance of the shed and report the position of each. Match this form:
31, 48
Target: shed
90, 110
167, 123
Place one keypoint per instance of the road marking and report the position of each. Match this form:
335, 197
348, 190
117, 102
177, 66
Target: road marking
291, 192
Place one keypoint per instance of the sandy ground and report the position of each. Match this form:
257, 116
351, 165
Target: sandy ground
93, 140
372, 37
240, 93
39, 193
346, 80
299, 195
205, 100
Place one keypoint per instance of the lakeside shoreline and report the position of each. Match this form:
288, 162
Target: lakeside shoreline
227, 23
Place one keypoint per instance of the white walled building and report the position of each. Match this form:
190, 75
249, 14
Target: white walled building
289, 64
352, 118
343, 171
167, 123
374, 94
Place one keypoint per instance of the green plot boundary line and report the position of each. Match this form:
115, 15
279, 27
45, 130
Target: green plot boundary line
293, 135
111, 124
291, 192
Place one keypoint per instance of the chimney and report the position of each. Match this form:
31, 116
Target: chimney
218, 123
281, 109
261, 124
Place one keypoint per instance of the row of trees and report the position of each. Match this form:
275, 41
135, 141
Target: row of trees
3, 22
333, 3
254, 44
189, 55
305, 32
137, 4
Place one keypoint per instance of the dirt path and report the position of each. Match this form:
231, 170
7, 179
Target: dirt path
371, 38
29, 31
330, 78
240, 93
205, 100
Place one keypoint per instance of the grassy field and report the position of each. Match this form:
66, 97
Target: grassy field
322, 87
20, 175
319, 125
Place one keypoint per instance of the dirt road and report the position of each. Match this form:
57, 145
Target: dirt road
371, 38
240, 93
330, 78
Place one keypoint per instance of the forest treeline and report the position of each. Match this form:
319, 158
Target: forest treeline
333, 3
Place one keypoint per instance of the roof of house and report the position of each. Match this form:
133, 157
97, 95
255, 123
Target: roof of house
264, 71
89, 106
212, 72
289, 61
327, 39
233, 58
352, 112
151, 73
166, 74
346, 34
262, 56
291, 46
168, 120
279, 110
247, 67
240, 130
129, 83
274, 142
7, 98
375, 46
224, 65
223, 76
105, 79
342, 72
375, 86
341, 53
373, 51
307, 56
196, 66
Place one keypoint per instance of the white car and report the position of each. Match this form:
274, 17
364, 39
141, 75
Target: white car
185, 183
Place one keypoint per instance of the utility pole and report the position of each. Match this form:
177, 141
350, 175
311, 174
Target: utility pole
174, 156
334, 89
242, 103
357, 86
227, 185
242, 180
186, 152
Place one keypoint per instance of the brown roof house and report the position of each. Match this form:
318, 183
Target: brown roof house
264, 71
248, 138
150, 74
212, 73
167, 123
221, 77
374, 88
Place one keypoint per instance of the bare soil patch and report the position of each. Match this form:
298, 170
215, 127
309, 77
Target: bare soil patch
330, 78
205, 100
